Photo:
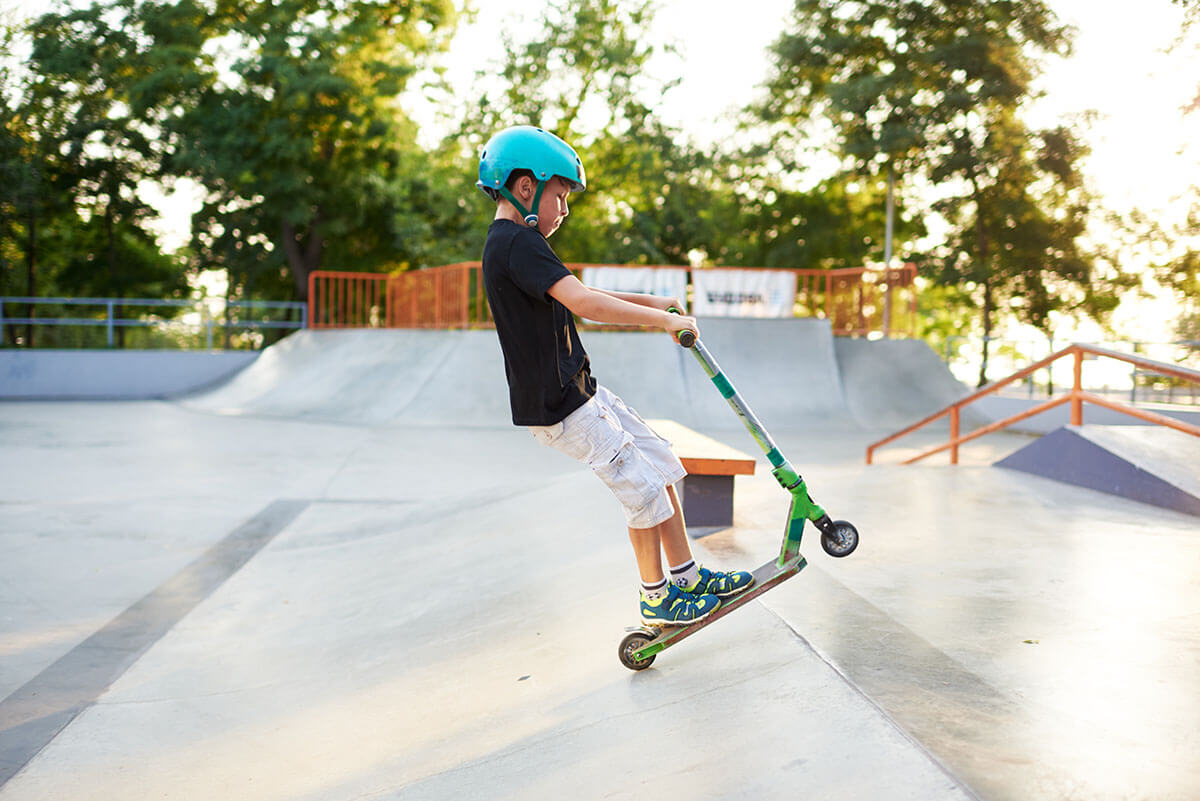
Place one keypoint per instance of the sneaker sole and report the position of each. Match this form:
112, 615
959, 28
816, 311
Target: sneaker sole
738, 591
678, 623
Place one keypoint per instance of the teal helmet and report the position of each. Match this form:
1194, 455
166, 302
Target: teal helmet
524, 147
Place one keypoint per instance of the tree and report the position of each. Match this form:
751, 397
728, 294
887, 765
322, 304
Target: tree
1017, 232
1182, 273
83, 65
653, 196
1173, 252
835, 224
286, 113
933, 90
301, 144
585, 77
25, 201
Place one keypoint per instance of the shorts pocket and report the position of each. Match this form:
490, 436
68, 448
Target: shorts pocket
627, 482
546, 435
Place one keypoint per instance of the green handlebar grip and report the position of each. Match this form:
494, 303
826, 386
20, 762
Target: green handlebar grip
685, 338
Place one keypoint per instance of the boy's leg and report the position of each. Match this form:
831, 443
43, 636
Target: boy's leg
664, 603
648, 552
674, 534
696, 579
670, 537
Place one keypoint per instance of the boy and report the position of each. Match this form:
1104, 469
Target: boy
529, 173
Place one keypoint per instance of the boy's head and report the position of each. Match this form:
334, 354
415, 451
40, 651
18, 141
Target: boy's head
522, 164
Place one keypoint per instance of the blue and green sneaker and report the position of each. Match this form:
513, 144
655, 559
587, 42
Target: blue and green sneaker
722, 585
679, 608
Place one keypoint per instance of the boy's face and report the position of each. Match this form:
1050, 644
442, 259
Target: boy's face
552, 209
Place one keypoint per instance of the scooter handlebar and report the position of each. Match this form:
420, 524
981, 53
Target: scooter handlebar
685, 338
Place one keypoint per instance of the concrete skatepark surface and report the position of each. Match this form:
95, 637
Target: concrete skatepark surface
344, 575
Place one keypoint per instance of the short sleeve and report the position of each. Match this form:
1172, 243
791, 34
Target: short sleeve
533, 265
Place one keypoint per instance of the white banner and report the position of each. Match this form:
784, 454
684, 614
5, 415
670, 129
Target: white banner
665, 283
744, 293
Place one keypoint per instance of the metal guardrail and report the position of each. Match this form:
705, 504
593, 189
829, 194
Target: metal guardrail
111, 322
857, 301
1138, 386
1076, 397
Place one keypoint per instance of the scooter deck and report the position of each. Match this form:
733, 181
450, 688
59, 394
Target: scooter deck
766, 577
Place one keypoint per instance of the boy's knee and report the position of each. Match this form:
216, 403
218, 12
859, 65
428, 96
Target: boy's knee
658, 511
632, 479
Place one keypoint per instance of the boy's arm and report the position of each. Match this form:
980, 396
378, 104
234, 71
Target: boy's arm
653, 301
608, 307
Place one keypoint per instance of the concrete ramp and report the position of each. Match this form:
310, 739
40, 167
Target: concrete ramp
785, 369
371, 377
891, 383
792, 373
1158, 466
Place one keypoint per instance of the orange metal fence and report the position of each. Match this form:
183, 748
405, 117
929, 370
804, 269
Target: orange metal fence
439, 298
346, 300
856, 301
1076, 397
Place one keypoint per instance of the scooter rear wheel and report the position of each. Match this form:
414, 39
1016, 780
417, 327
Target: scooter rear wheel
842, 541
632, 643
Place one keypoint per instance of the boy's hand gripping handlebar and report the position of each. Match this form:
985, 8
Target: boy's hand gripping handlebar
685, 338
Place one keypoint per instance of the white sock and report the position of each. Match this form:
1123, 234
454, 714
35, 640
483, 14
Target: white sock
685, 575
654, 592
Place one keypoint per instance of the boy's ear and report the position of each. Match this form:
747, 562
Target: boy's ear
524, 187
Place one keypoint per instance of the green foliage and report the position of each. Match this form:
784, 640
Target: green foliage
906, 82
76, 155
284, 112
946, 315
288, 115
653, 196
1173, 252
584, 77
1018, 231
934, 89
839, 223
307, 158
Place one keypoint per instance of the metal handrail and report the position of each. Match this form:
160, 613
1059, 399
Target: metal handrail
1076, 397
112, 322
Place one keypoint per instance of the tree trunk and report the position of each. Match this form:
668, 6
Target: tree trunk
111, 245
30, 273
303, 253
227, 335
983, 254
889, 229
988, 304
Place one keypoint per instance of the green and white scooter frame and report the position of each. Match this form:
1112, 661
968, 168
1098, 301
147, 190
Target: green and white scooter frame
803, 507
640, 647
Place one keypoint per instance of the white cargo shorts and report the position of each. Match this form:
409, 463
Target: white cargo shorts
625, 453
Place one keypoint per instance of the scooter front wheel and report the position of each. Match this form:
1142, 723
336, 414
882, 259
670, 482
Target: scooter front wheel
842, 541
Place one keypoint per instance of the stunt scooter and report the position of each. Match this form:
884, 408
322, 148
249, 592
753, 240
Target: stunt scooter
838, 537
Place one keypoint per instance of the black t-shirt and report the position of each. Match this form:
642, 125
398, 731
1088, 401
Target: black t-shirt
549, 375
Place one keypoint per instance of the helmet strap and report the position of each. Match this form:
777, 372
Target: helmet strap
531, 218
